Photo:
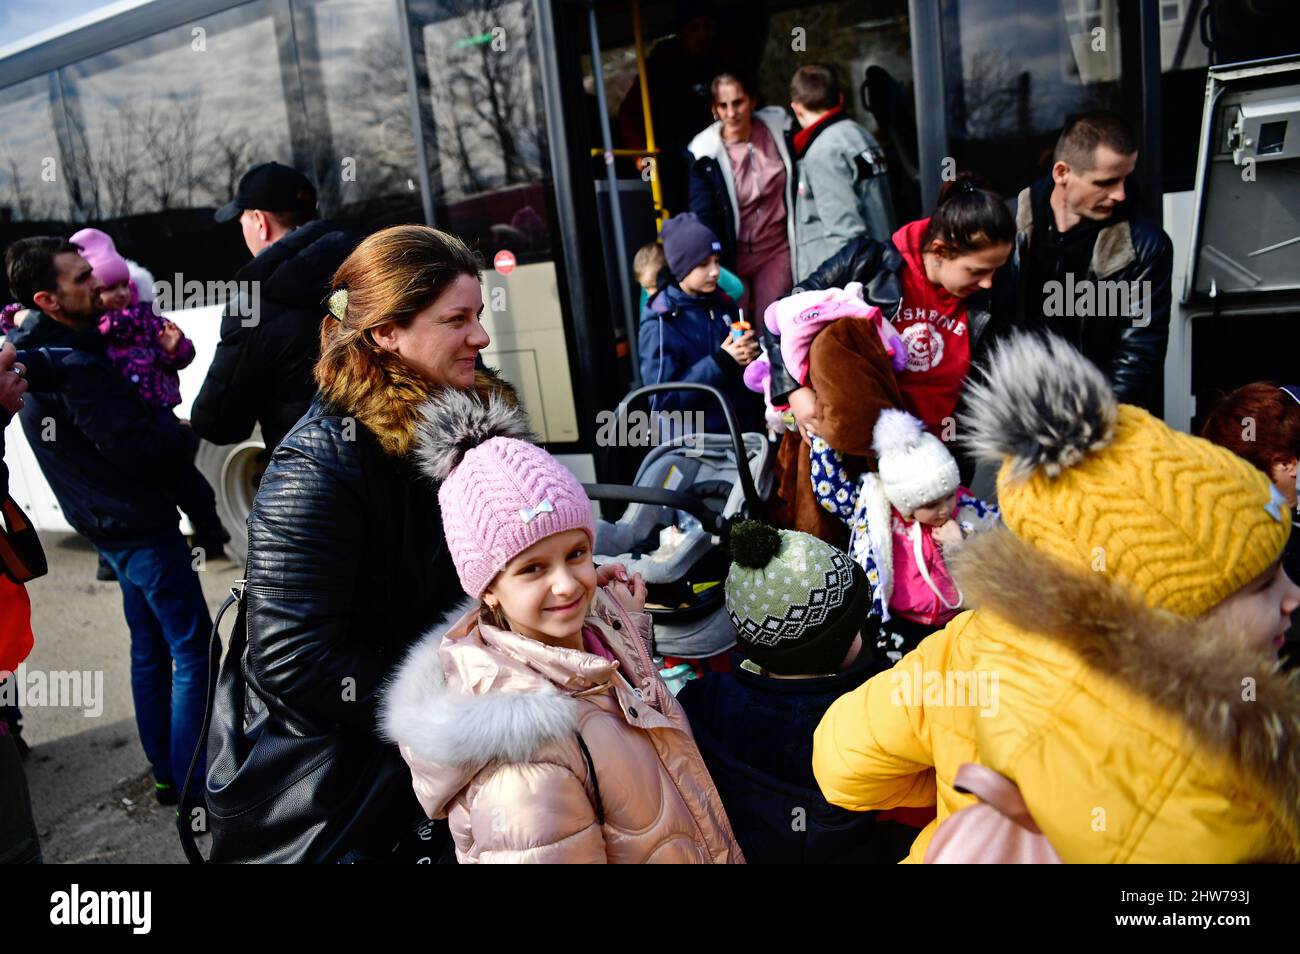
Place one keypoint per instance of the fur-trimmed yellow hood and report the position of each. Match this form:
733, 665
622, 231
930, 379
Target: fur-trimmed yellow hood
1133, 734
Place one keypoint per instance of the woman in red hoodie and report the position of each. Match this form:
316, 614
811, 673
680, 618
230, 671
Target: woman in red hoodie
938, 281
935, 280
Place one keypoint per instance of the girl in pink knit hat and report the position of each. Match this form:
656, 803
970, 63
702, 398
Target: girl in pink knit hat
537, 722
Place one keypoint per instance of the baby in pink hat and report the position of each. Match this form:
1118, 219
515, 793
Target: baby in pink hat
147, 349
797, 319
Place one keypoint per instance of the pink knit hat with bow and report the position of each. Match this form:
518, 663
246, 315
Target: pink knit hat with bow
98, 250
500, 492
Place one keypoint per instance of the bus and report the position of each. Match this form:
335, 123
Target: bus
549, 135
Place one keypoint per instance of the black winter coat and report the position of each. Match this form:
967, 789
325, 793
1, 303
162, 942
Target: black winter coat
756, 736
109, 457
1130, 353
262, 369
347, 567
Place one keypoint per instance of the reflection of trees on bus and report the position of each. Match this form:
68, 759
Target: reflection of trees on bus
153, 157
371, 124
484, 100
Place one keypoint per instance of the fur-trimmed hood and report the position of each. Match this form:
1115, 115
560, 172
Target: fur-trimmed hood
458, 731
1190, 668
508, 697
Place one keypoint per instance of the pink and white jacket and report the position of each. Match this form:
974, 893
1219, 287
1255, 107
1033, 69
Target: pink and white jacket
798, 318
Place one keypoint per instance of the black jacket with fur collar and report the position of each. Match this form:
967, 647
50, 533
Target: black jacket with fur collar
1130, 352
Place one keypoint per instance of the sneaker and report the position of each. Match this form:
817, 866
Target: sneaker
166, 793
105, 572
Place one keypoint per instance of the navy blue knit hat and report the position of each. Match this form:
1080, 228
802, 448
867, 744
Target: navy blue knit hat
687, 243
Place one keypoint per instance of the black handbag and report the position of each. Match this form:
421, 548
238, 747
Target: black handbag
21, 556
280, 789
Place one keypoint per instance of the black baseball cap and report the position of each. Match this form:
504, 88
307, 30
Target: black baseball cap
271, 187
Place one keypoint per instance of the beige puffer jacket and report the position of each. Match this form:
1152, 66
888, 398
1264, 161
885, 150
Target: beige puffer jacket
490, 721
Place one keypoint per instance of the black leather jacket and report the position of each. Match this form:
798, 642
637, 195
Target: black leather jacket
1130, 353
347, 566
876, 265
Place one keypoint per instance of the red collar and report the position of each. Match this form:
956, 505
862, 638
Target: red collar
804, 136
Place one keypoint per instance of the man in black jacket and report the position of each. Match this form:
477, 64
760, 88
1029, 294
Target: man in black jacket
1087, 268
262, 369
110, 459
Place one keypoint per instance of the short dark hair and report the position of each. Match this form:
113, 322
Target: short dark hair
1083, 133
815, 87
291, 219
30, 268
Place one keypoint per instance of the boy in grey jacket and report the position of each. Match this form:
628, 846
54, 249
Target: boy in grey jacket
843, 190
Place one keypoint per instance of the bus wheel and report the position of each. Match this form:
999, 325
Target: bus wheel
234, 471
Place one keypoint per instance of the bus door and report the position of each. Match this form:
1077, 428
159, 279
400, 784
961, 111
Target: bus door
869, 43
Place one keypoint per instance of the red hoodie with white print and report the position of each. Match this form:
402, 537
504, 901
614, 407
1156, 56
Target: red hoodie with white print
933, 324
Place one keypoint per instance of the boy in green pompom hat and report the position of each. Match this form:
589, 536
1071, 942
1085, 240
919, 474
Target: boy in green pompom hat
799, 606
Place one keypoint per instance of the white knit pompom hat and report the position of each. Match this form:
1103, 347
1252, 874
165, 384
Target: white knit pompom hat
915, 467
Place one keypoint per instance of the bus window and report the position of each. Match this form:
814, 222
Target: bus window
354, 71
479, 84
1015, 70
33, 186
150, 167
489, 159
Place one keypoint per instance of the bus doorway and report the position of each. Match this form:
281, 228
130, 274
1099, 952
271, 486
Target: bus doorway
682, 47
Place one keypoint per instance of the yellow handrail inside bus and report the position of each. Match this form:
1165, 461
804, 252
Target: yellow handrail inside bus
650, 149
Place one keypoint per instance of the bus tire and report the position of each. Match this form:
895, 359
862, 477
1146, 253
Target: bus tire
234, 471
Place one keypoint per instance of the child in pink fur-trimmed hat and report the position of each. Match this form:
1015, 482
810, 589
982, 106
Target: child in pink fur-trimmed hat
536, 722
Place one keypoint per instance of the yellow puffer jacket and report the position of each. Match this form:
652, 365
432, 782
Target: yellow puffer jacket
1133, 735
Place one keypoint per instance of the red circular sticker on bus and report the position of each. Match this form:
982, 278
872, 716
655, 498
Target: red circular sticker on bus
504, 262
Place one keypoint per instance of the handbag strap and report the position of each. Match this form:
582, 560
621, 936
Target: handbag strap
236, 598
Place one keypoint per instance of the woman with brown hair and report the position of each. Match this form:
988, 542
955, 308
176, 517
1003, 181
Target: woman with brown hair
347, 565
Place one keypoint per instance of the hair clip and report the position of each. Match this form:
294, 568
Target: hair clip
969, 187
338, 303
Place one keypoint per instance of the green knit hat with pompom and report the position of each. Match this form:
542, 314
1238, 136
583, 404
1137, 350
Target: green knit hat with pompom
795, 600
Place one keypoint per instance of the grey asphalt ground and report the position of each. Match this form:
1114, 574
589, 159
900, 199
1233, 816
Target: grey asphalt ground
92, 794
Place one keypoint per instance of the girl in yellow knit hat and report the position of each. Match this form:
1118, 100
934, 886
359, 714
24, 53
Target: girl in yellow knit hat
1120, 663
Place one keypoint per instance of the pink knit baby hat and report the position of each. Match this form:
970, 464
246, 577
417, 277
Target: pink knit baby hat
98, 250
500, 492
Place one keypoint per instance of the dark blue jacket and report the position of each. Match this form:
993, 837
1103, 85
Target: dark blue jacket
681, 340
756, 736
108, 456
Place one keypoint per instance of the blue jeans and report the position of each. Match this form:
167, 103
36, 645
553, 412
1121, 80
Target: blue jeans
170, 664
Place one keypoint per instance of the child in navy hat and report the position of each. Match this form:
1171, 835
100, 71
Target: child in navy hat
687, 334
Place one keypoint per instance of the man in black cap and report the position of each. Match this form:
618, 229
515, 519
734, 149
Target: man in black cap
270, 336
